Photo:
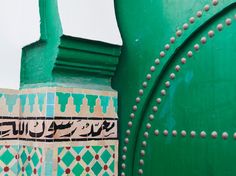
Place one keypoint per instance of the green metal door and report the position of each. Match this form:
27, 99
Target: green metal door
177, 85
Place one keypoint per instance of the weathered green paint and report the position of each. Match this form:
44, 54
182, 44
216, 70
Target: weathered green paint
200, 98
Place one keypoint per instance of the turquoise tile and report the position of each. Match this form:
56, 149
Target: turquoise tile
50, 111
50, 98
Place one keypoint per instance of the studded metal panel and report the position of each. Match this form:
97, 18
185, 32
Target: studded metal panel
178, 118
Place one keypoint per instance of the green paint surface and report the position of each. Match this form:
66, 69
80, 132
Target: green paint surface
201, 97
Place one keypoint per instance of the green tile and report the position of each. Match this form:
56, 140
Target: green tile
78, 169
23, 157
96, 168
105, 156
97, 148
6, 157
68, 158
35, 159
112, 166
87, 157
78, 149
28, 169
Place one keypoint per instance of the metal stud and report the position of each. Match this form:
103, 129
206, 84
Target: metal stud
141, 162
185, 26
215, 2
211, 33
145, 134
192, 134
183, 60
144, 143
149, 76
174, 133
126, 140
145, 84
177, 68
172, 40
228, 21
199, 14
172, 76
157, 61
124, 149
214, 134
135, 108
235, 135
137, 100
225, 135
196, 47
123, 157
167, 46
156, 132
203, 134
140, 91
123, 165
140, 171
167, 84
122, 174
206, 7
132, 115
142, 152
130, 124
165, 132
191, 20
163, 92
155, 108
148, 126
151, 117
158, 100
162, 54
179, 33
152, 69
220, 27
127, 132
190, 54
203, 40
183, 133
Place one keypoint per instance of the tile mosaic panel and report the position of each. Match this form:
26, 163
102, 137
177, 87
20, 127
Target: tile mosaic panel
58, 131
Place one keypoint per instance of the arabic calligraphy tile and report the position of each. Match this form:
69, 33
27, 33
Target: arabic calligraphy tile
63, 100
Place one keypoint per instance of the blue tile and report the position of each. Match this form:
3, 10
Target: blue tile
50, 111
50, 98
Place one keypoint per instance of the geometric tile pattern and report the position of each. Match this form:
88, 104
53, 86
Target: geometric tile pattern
30, 160
8, 160
86, 160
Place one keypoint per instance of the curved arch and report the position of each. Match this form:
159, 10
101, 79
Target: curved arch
145, 93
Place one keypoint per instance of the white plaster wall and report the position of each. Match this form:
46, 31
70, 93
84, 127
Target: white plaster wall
19, 26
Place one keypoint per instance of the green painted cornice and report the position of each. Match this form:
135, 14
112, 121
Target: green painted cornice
57, 59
